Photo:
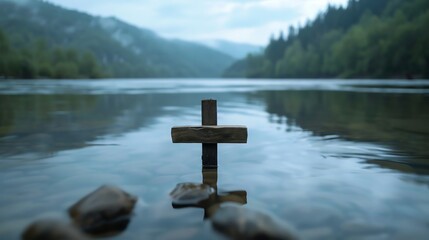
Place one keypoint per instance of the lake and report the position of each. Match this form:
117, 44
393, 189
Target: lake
333, 159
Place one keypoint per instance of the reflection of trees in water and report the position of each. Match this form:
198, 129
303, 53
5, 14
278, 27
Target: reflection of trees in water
45, 124
398, 120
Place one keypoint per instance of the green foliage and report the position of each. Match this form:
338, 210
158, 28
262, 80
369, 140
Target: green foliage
119, 48
39, 61
367, 39
236, 70
88, 66
4, 53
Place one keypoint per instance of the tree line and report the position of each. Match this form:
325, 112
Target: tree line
39, 60
365, 39
121, 49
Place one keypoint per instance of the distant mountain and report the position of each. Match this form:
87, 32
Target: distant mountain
120, 48
234, 49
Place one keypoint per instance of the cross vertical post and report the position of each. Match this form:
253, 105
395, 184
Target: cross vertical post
209, 117
209, 134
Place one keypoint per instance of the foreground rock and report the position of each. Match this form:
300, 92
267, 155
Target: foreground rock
188, 194
106, 211
241, 223
52, 230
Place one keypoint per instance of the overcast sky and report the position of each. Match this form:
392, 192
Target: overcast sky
248, 21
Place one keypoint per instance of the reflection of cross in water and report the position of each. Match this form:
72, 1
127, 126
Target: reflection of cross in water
209, 134
214, 201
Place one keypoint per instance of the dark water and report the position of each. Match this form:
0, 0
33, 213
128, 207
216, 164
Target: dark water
333, 159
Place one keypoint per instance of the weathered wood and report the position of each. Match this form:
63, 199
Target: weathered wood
209, 117
209, 112
209, 155
209, 134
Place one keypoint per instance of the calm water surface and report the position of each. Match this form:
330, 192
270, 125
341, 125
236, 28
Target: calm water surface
333, 159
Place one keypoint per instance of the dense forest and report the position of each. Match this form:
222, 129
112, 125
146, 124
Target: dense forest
46, 40
40, 61
365, 39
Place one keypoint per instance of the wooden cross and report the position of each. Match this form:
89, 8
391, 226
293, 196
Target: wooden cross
213, 203
209, 133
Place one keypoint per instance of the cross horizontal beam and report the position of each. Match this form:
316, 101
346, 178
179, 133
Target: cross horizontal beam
209, 134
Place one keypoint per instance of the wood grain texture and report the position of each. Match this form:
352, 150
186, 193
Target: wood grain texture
209, 117
209, 134
208, 112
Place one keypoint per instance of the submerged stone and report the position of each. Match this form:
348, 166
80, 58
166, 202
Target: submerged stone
190, 193
238, 222
52, 229
106, 211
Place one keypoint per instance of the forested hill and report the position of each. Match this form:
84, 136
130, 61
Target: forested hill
40, 39
365, 39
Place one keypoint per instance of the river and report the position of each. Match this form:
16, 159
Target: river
332, 158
